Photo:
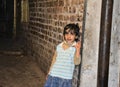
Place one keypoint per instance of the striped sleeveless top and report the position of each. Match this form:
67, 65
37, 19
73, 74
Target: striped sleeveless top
64, 64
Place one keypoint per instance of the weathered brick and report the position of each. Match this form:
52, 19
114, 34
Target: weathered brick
47, 19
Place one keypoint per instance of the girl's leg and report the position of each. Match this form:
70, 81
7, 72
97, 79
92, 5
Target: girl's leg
65, 83
55, 82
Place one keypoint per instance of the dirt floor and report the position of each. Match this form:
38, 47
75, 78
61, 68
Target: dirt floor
17, 70
20, 71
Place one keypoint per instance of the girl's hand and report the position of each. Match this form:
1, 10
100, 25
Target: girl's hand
78, 46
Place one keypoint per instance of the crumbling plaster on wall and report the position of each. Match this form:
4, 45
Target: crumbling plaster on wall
91, 44
114, 68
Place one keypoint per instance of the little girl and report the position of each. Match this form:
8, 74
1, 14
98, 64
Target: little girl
66, 56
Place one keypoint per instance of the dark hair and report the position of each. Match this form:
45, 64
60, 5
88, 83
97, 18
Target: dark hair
72, 28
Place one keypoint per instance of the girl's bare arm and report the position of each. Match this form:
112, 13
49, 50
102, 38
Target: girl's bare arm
77, 58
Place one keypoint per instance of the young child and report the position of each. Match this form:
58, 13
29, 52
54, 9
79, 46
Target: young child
66, 56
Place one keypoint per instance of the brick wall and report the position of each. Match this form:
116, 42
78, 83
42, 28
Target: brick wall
44, 29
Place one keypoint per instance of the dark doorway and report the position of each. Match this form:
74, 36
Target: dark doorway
6, 18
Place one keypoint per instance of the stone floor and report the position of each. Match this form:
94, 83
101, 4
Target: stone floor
18, 70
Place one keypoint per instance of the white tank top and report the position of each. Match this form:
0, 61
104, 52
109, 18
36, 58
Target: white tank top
64, 65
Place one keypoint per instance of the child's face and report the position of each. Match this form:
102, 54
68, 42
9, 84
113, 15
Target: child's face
69, 36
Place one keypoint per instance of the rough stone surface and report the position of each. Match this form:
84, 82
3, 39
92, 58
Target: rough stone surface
91, 44
114, 67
